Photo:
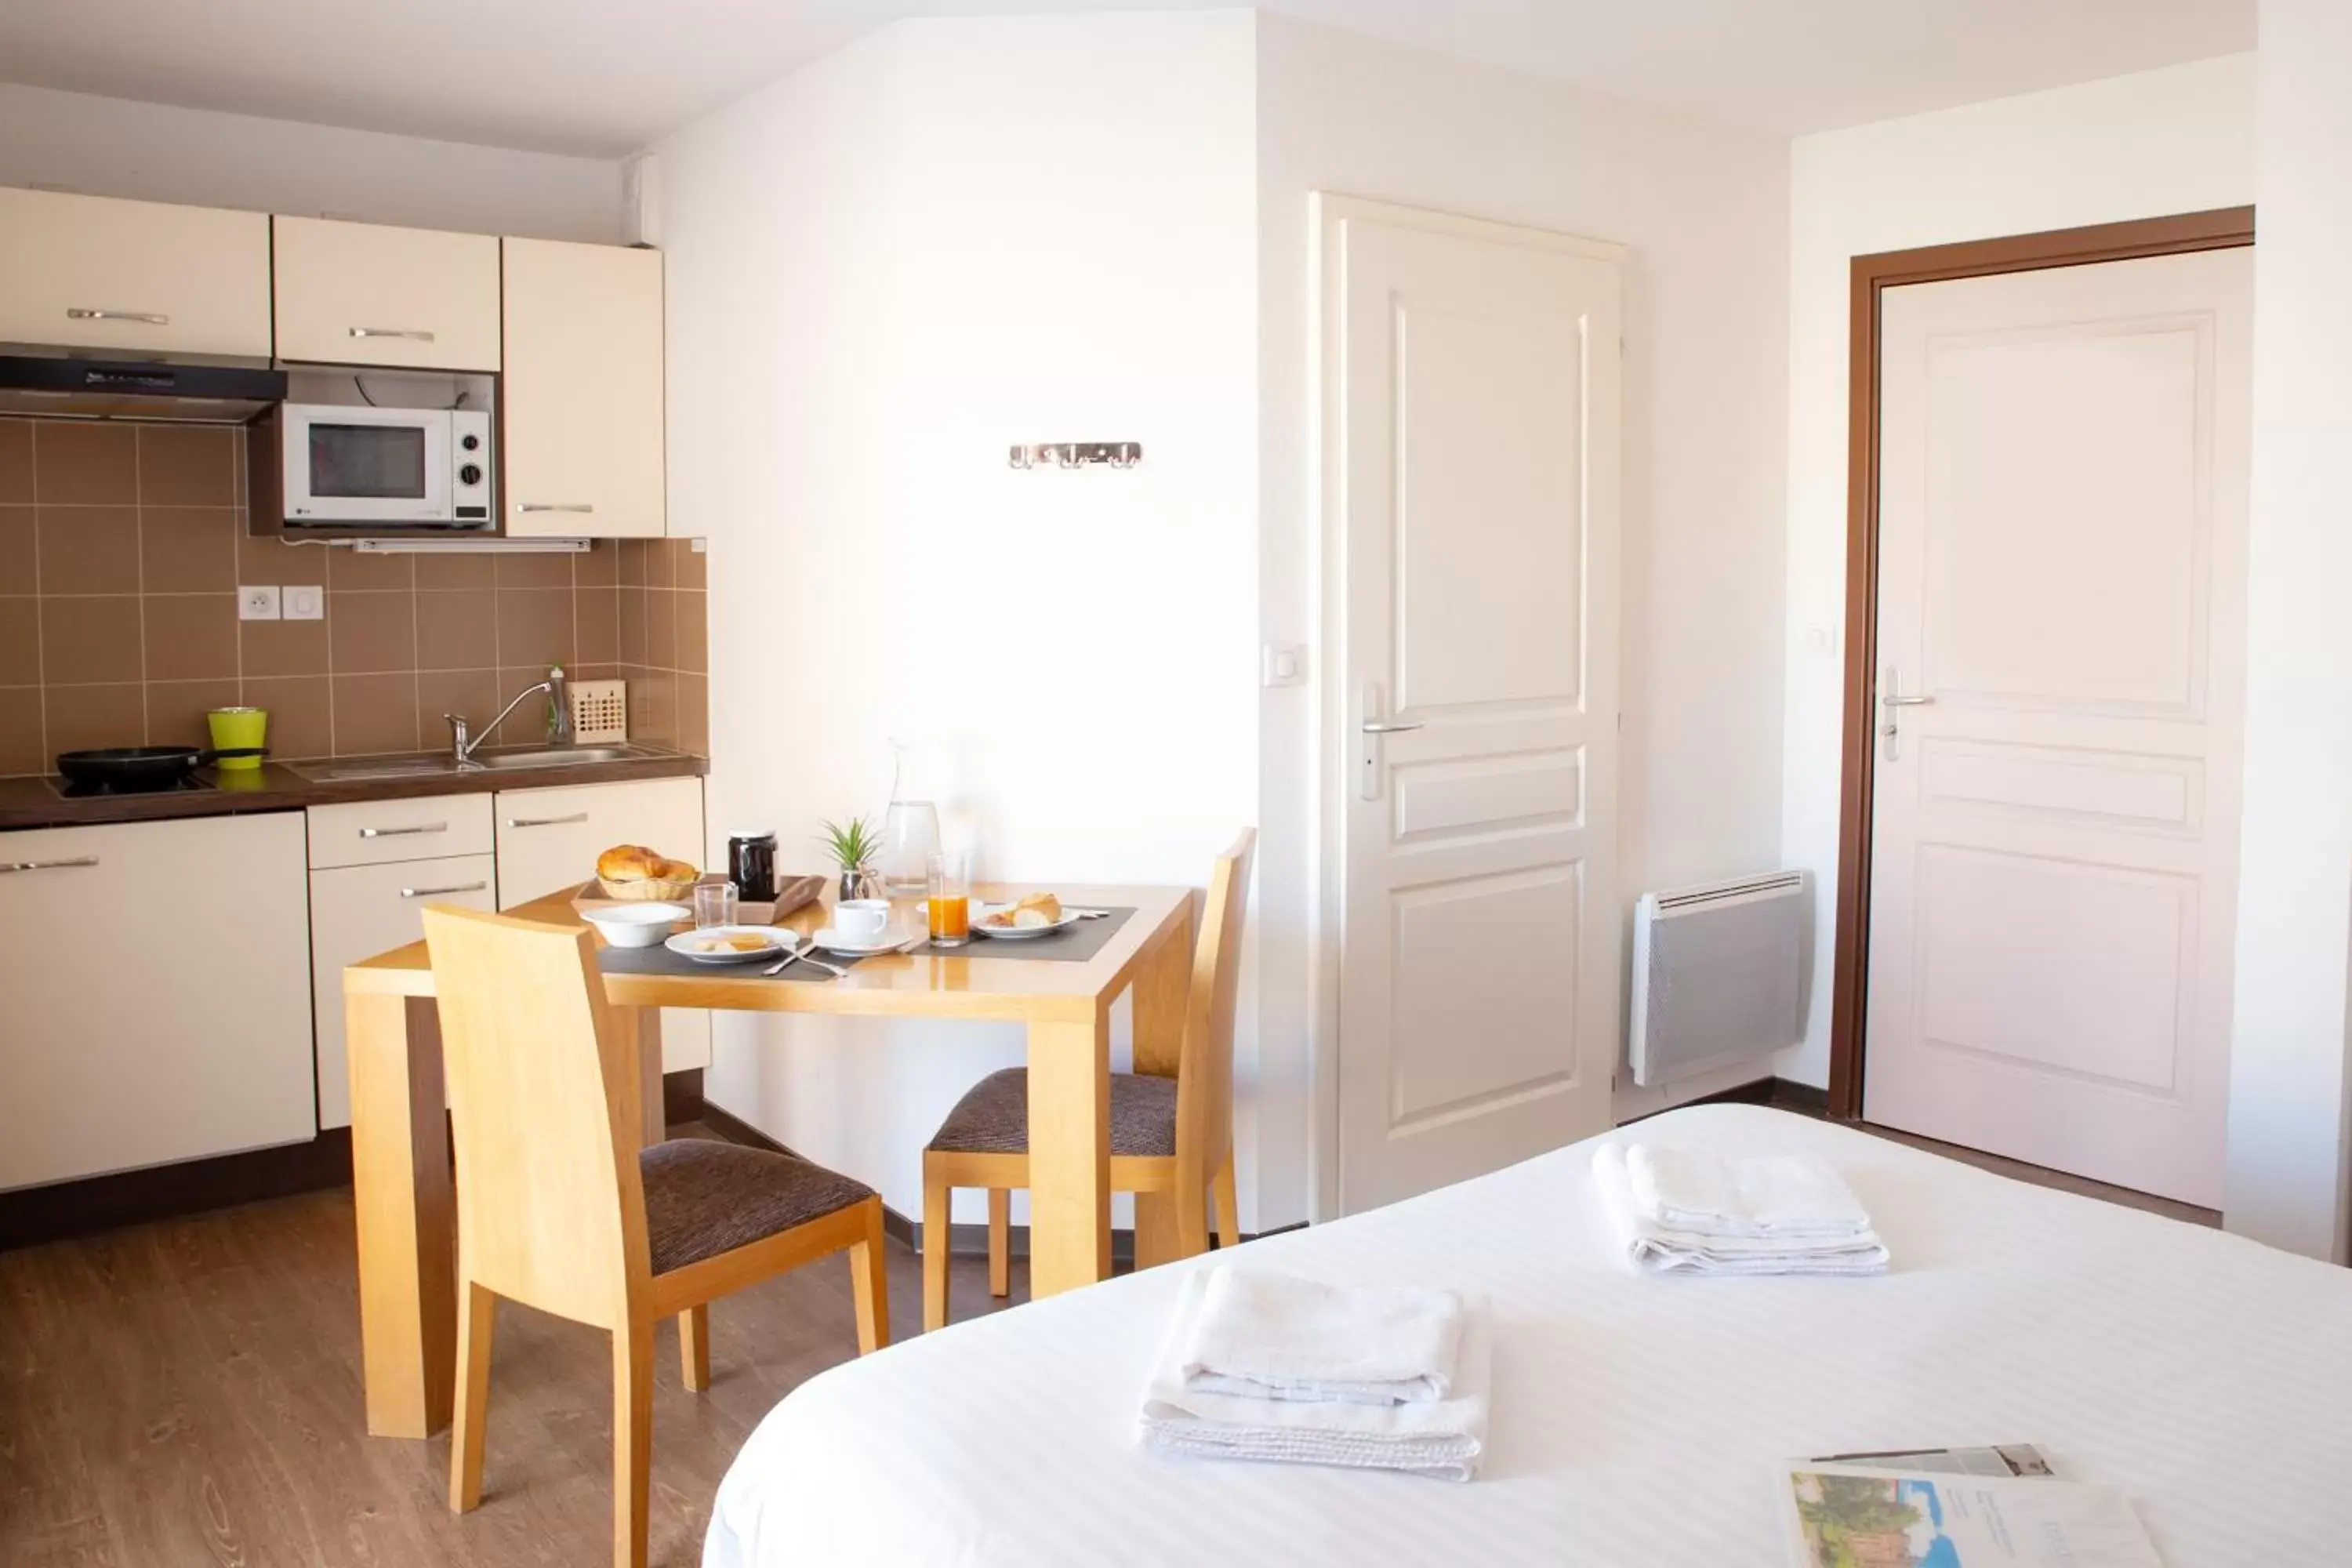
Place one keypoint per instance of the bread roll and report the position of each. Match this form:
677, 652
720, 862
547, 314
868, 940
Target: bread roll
630, 863
1044, 905
678, 872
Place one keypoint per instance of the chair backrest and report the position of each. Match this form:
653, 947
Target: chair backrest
542, 1102
1205, 1070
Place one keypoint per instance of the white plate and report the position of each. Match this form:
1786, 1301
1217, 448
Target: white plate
685, 944
832, 941
981, 911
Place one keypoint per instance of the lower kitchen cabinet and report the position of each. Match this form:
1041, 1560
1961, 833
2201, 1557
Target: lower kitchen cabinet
358, 912
159, 994
549, 839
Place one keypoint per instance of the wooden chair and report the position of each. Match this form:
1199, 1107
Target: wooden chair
1171, 1137
559, 1207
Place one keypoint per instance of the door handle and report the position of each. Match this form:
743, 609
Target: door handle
78, 860
1384, 727
437, 892
404, 832
1371, 727
546, 821
553, 506
412, 333
1890, 701
144, 318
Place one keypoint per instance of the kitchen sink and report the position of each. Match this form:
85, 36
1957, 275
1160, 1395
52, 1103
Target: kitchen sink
557, 757
380, 768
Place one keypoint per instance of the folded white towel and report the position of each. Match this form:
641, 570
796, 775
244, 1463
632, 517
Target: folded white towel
1665, 1250
1778, 1197
1442, 1437
1271, 1336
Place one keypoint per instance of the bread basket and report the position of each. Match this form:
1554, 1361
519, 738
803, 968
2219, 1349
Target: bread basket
674, 891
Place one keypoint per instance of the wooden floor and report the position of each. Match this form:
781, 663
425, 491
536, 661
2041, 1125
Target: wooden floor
188, 1394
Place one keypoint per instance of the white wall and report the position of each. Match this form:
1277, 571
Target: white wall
1703, 210
883, 270
149, 152
2288, 1111
2174, 141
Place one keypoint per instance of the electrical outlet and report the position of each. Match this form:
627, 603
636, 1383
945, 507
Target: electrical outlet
305, 603
256, 604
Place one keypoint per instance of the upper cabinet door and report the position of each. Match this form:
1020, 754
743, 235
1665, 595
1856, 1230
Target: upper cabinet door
583, 401
362, 293
94, 272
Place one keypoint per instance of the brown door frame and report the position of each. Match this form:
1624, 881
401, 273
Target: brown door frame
2216, 230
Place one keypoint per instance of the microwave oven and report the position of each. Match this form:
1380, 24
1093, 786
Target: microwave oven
409, 468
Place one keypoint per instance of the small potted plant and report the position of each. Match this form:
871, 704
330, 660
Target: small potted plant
853, 845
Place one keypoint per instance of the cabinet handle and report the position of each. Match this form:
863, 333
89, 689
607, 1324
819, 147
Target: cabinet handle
48, 865
553, 506
404, 832
146, 318
411, 333
546, 821
438, 892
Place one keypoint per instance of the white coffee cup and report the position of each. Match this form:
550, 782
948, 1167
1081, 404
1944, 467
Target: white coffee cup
861, 921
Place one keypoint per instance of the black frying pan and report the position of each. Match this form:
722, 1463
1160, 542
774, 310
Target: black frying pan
142, 768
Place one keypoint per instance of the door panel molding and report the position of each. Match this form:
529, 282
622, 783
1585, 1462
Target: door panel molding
2219, 229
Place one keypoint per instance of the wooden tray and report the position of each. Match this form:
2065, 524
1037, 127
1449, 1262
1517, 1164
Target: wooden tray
795, 893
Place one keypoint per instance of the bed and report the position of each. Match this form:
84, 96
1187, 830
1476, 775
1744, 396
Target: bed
1635, 1419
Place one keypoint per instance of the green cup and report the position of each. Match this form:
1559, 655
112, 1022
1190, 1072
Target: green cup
236, 729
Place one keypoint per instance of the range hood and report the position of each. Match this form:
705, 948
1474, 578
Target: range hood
138, 389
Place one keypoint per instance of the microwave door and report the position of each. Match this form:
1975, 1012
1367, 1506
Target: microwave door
356, 466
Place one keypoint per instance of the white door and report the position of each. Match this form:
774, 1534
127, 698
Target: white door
2061, 638
1471, 426
582, 395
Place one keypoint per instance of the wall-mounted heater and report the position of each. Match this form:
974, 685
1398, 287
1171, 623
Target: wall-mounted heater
1716, 974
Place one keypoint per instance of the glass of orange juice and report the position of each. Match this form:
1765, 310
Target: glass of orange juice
947, 886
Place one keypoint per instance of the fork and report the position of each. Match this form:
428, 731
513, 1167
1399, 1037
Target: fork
801, 955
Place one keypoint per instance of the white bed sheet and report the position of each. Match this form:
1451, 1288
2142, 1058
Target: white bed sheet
1636, 1419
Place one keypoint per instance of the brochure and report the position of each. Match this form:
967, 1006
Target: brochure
1995, 1459
1862, 1516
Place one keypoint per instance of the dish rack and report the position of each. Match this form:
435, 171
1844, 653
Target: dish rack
600, 712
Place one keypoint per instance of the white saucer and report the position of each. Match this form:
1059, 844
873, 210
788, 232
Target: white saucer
776, 943
833, 942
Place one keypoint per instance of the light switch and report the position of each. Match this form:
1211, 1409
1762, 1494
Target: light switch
256, 604
305, 602
1285, 664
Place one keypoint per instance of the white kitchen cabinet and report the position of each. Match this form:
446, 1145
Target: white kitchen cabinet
358, 912
549, 840
94, 272
582, 396
365, 293
159, 994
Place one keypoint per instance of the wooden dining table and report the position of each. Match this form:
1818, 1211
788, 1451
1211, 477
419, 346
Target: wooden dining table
400, 1138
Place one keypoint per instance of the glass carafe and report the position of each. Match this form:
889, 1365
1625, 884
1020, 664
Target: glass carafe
910, 827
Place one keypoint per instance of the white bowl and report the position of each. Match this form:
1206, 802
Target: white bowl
636, 925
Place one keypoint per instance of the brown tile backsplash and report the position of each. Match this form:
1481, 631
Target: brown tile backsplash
88, 549
120, 549
191, 636
16, 462
77, 464
20, 551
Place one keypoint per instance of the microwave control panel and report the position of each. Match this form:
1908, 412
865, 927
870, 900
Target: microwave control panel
470, 462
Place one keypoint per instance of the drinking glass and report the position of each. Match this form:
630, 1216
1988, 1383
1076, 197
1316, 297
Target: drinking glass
714, 904
947, 885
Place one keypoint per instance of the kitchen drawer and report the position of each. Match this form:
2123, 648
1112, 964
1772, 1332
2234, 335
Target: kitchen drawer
358, 912
381, 832
364, 293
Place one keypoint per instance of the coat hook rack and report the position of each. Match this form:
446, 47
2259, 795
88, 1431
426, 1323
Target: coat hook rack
1079, 455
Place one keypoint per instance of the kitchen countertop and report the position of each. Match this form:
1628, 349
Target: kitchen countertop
34, 802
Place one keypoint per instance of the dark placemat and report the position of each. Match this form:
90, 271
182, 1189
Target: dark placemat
659, 960
1074, 943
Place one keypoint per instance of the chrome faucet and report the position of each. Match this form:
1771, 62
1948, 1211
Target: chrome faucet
558, 724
